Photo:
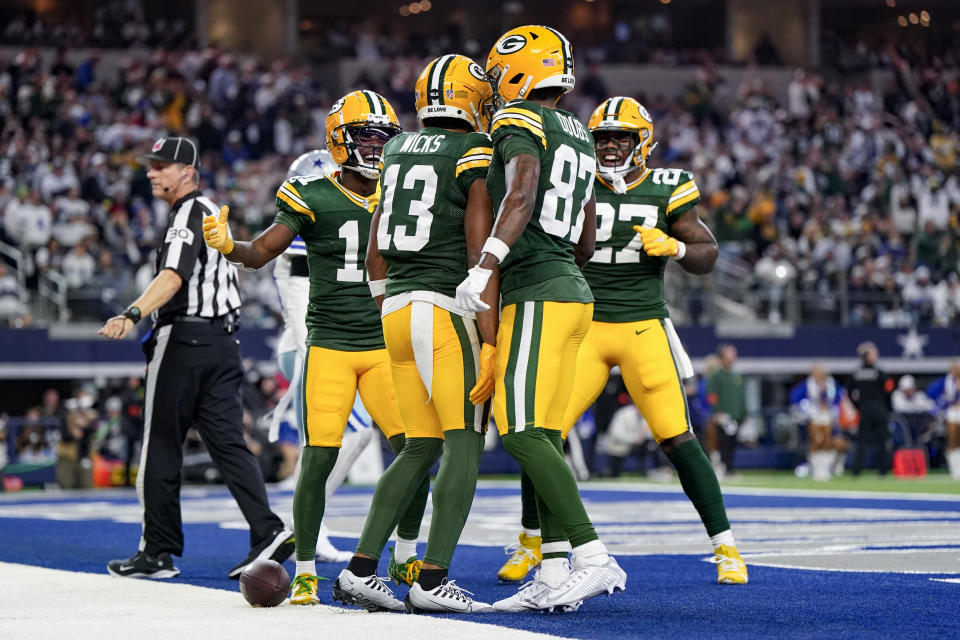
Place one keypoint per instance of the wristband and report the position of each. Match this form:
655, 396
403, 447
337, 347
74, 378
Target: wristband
133, 313
681, 250
378, 287
496, 247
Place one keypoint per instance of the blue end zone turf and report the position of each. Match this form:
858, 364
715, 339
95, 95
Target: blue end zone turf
666, 596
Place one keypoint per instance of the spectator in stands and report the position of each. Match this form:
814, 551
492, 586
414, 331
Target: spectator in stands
946, 393
108, 438
870, 393
132, 397
27, 221
74, 467
627, 435
79, 266
13, 298
33, 443
728, 402
913, 407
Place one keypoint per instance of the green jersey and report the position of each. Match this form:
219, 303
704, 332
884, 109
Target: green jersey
540, 265
425, 179
626, 282
334, 223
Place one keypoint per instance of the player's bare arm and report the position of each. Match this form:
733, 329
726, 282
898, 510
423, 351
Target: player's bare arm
521, 174
375, 264
478, 221
588, 234
702, 249
160, 290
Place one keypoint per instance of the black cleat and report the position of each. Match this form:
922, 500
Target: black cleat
143, 565
278, 546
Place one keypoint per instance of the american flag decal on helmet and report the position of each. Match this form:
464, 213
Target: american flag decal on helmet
549, 62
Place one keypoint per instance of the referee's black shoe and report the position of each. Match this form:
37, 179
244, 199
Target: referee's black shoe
277, 546
143, 565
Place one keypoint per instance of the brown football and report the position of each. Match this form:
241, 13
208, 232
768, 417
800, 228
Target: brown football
264, 583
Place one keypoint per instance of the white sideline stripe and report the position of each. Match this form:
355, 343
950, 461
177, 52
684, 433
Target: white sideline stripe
952, 580
97, 606
153, 370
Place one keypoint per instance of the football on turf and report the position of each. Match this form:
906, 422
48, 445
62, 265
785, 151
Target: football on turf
264, 583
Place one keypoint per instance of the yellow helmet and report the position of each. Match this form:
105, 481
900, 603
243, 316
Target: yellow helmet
528, 58
625, 114
360, 114
454, 86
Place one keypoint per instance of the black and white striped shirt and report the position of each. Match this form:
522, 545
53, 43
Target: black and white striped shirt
209, 285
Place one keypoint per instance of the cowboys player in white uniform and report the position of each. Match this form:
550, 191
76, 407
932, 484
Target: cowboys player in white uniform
293, 286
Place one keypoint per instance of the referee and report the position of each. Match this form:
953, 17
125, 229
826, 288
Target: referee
193, 375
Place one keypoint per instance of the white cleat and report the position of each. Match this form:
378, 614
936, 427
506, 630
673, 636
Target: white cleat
447, 598
369, 592
326, 552
533, 596
587, 581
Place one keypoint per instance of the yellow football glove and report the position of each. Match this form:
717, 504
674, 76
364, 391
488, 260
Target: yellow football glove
482, 391
657, 243
215, 232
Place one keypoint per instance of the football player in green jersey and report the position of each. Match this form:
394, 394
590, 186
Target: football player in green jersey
345, 349
541, 183
644, 218
434, 216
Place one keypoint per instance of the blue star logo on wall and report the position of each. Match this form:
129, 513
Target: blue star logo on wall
912, 343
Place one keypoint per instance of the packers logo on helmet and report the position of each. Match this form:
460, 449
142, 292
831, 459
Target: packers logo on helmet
528, 58
454, 86
358, 126
625, 114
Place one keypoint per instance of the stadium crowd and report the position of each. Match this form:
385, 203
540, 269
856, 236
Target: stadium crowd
838, 187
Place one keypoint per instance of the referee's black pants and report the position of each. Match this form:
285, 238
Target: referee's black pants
193, 380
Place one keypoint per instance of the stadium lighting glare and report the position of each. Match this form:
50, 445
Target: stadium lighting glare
891, 3
405, 10
414, 8
902, 21
913, 18
425, 5
665, 1
924, 16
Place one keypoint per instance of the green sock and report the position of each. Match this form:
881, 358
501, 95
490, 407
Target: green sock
408, 527
309, 498
453, 493
551, 530
395, 491
699, 482
529, 518
554, 483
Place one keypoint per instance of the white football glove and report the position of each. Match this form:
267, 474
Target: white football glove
468, 291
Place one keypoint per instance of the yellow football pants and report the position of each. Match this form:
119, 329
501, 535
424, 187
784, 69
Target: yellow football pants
642, 352
332, 379
537, 346
433, 358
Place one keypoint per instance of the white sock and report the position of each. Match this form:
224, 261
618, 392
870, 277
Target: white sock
724, 537
592, 553
404, 549
308, 567
533, 533
553, 571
